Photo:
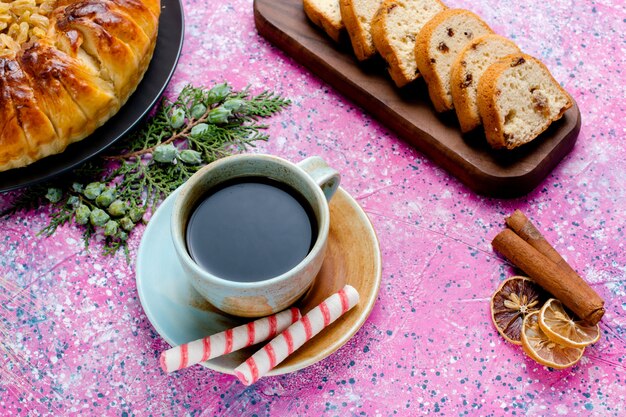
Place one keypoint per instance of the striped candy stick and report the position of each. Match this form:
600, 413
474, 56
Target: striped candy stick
296, 335
228, 341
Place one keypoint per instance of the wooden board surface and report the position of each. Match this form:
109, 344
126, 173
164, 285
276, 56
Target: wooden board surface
409, 113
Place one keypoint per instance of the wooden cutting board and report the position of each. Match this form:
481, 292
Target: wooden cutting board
408, 111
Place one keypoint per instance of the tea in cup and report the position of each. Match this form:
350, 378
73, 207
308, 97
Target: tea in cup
251, 230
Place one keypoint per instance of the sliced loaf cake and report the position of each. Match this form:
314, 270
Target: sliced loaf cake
466, 71
357, 16
437, 46
518, 99
326, 15
394, 30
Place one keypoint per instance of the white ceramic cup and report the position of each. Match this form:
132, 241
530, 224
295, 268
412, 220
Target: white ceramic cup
312, 178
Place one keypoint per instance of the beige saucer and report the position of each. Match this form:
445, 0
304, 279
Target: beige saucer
353, 257
180, 314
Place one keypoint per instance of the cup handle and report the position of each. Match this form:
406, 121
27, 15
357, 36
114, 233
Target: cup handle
326, 177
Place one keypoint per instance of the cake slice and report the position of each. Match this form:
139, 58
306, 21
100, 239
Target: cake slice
518, 99
357, 16
394, 30
437, 46
466, 71
326, 15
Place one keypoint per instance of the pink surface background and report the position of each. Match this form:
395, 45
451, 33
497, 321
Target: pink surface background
74, 339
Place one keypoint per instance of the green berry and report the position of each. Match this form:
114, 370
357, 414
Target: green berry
190, 157
126, 223
122, 236
177, 119
218, 93
106, 198
54, 195
219, 115
198, 111
199, 130
135, 214
165, 153
93, 190
98, 217
234, 104
110, 228
82, 214
117, 208
77, 187
73, 201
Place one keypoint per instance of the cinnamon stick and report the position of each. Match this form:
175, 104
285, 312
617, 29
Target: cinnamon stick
525, 229
569, 288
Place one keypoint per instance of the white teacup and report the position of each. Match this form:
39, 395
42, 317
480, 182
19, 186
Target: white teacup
312, 178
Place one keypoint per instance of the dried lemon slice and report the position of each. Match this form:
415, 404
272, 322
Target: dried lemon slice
560, 326
543, 350
515, 298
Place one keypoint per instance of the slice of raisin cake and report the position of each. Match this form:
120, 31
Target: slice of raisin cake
518, 99
326, 15
466, 71
394, 30
437, 46
357, 15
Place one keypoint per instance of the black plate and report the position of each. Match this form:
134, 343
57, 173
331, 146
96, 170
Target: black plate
168, 46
